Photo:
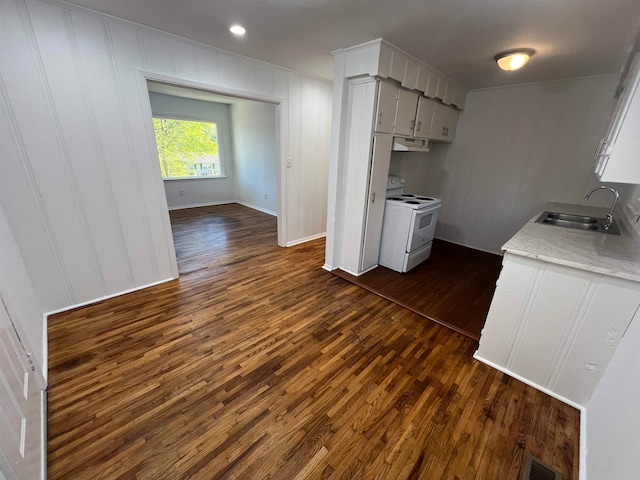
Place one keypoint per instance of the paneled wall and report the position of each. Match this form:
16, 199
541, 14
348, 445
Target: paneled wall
80, 183
199, 191
516, 148
255, 155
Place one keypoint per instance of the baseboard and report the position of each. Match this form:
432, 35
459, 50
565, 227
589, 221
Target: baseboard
45, 349
328, 267
469, 246
260, 209
529, 382
306, 239
582, 469
196, 205
106, 297
43, 430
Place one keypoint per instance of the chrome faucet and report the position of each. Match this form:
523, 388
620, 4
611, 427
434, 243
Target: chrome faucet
609, 220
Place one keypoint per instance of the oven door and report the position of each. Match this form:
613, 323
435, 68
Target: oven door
423, 227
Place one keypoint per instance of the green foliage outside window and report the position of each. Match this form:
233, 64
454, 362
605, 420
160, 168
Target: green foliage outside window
187, 148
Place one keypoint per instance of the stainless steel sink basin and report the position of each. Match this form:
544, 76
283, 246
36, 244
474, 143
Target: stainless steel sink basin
578, 222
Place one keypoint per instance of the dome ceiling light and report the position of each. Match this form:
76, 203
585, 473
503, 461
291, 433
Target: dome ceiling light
514, 59
237, 30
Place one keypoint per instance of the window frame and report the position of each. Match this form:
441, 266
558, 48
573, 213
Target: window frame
193, 118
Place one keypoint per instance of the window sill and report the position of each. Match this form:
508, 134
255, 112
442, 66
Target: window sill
172, 179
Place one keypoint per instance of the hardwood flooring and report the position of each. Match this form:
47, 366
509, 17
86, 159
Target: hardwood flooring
453, 287
260, 365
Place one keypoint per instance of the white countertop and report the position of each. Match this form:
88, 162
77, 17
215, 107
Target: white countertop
615, 255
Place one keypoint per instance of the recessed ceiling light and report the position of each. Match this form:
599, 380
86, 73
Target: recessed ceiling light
514, 59
238, 30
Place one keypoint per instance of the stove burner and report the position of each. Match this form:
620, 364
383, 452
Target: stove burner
396, 198
408, 195
412, 202
425, 198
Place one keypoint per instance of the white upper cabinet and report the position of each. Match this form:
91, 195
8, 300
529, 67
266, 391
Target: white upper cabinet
618, 155
443, 125
386, 107
405, 113
424, 115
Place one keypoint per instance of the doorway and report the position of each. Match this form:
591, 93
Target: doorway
216, 149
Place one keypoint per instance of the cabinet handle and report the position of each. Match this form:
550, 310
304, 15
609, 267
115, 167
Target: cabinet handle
447, 129
419, 125
373, 197
380, 118
601, 146
413, 122
444, 130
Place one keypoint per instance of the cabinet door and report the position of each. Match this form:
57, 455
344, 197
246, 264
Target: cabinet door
423, 118
443, 125
380, 160
406, 113
386, 107
617, 155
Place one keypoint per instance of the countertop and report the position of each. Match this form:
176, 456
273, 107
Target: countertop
614, 255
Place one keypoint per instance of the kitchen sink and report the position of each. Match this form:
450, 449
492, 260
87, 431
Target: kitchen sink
578, 222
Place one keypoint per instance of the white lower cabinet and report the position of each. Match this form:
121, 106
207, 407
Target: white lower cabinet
556, 327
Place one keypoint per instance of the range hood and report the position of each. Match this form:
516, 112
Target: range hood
401, 144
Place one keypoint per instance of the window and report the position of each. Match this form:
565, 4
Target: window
187, 148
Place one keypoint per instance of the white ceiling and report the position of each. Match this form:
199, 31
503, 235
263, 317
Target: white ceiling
459, 37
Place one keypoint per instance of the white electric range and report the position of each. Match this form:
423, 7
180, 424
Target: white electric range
408, 227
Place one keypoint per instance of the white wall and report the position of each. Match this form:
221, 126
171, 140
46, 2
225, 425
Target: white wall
199, 191
81, 185
516, 148
254, 151
613, 416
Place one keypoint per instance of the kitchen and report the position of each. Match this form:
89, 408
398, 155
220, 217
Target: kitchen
74, 119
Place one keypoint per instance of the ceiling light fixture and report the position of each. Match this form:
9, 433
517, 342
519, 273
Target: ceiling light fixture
238, 30
514, 59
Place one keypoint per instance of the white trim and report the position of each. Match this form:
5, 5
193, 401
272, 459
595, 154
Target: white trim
582, 468
43, 435
529, 382
306, 239
206, 204
180, 179
254, 207
500, 254
328, 267
45, 350
106, 297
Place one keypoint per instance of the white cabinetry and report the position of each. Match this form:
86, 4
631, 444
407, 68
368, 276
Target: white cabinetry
618, 155
386, 107
406, 113
424, 115
443, 125
367, 158
376, 197
555, 326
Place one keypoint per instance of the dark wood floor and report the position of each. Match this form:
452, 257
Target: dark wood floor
453, 287
260, 365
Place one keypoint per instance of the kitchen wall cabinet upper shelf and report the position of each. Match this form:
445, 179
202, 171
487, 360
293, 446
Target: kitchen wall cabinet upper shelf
382, 59
618, 155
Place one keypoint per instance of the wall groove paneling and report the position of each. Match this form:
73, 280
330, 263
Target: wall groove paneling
81, 185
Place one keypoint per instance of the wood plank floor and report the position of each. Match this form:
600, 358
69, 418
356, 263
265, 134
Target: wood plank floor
260, 365
453, 287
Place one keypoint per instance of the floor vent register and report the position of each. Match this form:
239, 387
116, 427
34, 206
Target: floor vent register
534, 469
